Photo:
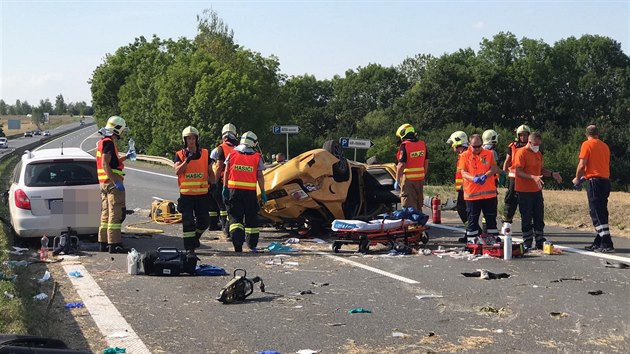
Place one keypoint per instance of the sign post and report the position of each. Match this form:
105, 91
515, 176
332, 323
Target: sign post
356, 144
286, 129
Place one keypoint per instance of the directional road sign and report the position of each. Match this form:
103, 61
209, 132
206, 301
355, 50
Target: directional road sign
356, 143
286, 129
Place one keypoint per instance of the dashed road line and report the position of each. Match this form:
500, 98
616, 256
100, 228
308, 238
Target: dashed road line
371, 269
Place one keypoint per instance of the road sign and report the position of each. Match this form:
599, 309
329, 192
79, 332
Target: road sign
356, 143
286, 129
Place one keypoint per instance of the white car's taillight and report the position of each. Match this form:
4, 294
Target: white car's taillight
21, 200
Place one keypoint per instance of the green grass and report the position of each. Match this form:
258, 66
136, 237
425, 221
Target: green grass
20, 314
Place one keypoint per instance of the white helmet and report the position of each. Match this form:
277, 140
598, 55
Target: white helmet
523, 129
249, 139
116, 125
190, 130
228, 129
459, 138
490, 137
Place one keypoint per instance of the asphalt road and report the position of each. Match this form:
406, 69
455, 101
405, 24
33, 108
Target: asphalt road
544, 306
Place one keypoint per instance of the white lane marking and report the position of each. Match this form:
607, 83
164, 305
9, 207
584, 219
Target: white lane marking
371, 269
91, 136
109, 321
565, 248
151, 173
55, 140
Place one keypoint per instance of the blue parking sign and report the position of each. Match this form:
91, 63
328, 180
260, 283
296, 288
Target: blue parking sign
344, 142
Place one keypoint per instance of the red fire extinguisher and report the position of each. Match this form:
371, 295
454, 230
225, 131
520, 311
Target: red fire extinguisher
437, 209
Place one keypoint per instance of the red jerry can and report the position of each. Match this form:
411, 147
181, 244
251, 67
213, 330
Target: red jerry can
437, 209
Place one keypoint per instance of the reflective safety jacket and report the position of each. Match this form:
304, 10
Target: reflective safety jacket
243, 172
477, 165
459, 180
416, 154
102, 176
195, 180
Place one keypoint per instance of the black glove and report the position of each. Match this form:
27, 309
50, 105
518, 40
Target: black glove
189, 156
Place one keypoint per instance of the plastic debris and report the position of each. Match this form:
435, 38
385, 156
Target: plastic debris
617, 265
15, 264
9, 295
274, 261
399, 335
558, 314
303, 292
319, 240
295, 264
307, 351
45, 277
486, 275
7, 278
426, 252
491, 309
209, 270
268, 352
40, 296
278, 247
428, 296
596, 292
359, 310
565, 279
337, 324
318, 285
292, 240
114, 350
75, 274
74, 305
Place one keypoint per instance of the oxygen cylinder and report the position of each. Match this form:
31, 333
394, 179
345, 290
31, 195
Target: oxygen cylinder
436, 207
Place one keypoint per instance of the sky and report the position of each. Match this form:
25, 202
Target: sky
51, 47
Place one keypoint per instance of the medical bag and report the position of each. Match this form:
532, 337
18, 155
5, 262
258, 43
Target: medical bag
168, 261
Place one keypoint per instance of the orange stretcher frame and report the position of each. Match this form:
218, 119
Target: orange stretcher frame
410, 235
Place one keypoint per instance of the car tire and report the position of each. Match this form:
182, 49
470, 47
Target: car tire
341, 169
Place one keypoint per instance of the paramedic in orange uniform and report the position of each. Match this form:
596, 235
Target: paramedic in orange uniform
478, 167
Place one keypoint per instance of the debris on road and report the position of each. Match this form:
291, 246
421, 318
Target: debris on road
335, 324
359, 310
40, 296
278, 247
617, 265
486, 275
292, 240
596, 292
114, 350
75, 274
428, 296
491, 309
558, 314
7, 278
74, 305
565, 279
15, 264
210, 270
303, 292
9, 295
399, 335
319, 285
307, 351
45, 277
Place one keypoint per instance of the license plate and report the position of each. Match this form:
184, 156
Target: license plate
56, 206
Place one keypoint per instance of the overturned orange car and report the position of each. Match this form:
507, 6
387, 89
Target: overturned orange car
320, 185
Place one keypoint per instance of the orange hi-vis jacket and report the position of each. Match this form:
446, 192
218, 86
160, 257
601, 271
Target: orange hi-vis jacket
416, 154
195, 180
227, 149
243, 173
511, 169
102, 176
459, 180
477, 165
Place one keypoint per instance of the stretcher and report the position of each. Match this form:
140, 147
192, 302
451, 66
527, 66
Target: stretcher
394, 234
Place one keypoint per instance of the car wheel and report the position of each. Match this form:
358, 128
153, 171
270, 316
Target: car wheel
341, 169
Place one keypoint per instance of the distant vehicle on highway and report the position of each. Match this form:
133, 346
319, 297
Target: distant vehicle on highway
4, 143
52, 190
46, 133
28, 134
37, 132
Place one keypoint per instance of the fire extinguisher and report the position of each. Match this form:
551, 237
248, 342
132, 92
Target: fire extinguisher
437, 210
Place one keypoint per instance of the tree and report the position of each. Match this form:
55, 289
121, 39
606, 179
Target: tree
4, 108
60, 106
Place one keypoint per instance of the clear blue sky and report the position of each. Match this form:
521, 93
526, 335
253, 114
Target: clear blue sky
52, 47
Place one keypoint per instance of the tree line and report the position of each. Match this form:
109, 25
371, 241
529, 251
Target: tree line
60, 107
161, 86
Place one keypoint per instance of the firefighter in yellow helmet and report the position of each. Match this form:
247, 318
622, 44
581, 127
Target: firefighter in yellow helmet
511, 198
243, 172
413, 163
109, 165
193, 168
229, 142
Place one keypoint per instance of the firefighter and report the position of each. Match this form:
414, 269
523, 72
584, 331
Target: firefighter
413, 164
194, 177
228, 135
459, 142
478, 167
528, 163
109, 167
490, 140
511, 197
594, 167
213, 204
243, 171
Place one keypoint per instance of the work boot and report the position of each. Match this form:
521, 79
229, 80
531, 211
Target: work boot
103, 247
540, 243
238, 248
117, 248
592, 247
527, 244
462, 239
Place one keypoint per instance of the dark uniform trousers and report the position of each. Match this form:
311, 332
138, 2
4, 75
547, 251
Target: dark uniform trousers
195, 219
489, 209
532, 208
243, 209
511, 201
597, 192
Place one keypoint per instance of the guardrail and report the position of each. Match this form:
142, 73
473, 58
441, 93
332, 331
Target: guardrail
156, 159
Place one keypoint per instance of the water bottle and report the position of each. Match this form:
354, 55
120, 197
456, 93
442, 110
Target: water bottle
132, 150
133, 260
43, 252
507, 246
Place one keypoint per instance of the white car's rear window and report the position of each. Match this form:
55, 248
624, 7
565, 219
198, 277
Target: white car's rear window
60, 173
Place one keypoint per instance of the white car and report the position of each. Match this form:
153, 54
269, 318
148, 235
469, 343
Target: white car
4, 143
54, 189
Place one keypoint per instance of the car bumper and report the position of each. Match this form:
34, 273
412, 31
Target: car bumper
27, 225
